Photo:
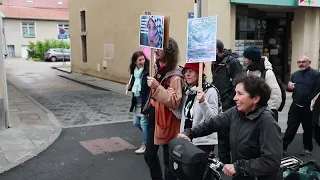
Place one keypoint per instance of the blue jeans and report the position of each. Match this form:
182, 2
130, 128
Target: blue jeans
141, 123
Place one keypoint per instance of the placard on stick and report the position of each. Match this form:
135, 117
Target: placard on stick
154, 33
201, 41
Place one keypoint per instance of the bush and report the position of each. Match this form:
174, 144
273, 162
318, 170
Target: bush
37, 50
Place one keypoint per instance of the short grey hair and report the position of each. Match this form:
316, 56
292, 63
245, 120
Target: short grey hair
306, 58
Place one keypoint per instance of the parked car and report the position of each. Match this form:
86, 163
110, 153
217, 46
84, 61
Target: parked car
57, 54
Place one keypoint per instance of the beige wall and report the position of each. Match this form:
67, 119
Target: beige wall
44, 30
226, 32
305, 36
113, 22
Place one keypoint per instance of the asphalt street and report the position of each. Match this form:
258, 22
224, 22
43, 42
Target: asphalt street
67, 159
89, 147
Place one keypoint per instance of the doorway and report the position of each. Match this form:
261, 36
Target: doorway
24, 52
270, 31
11, 51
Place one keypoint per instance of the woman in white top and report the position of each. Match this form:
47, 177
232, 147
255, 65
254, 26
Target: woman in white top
199, 105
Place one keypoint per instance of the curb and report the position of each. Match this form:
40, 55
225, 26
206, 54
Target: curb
44, 146
57, 68
93, 85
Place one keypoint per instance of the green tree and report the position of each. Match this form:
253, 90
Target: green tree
37, 50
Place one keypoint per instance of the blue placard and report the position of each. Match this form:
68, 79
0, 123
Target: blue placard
190, 15
202, 39
63, 36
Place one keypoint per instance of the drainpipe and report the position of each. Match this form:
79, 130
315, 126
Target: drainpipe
4, 108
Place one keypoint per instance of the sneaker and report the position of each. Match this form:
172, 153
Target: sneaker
141, 150
306, 153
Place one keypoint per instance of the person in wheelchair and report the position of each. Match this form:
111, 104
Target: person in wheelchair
255, 136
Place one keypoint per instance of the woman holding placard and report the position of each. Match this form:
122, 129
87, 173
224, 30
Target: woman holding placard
139, 70
199, 104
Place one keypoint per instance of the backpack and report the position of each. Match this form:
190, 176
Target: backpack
307, 171
232, 55
282, 88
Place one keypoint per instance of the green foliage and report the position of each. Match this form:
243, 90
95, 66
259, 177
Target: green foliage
37, 50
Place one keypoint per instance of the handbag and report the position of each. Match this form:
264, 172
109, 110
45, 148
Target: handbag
147, 106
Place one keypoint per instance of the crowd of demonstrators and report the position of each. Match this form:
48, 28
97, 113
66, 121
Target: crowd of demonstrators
255, 136
167, 87
199, 104
302, 84
224, 70
139, 70
256, 65
242, 108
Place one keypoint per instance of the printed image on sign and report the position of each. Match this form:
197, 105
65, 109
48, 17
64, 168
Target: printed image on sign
202, 39
152, 31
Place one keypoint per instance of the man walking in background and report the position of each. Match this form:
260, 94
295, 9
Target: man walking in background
224, 70
302, 85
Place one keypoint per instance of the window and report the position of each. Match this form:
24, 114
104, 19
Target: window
84, 48
28, 30
83, 21
65, 27
66, 50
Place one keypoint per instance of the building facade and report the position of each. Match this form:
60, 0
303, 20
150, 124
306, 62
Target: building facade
49, 4
283, 29
23, 25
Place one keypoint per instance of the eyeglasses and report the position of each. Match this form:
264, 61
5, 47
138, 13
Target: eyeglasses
302, 62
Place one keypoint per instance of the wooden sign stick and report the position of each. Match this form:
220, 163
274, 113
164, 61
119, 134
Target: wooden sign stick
200, 74
151, 63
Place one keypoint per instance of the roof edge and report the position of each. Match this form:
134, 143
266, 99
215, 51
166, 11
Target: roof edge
6, 17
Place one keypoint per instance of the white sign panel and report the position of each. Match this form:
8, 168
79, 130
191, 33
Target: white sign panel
309, 3
202, 39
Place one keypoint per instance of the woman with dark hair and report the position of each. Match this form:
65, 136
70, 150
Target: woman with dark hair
139, 70
255, 136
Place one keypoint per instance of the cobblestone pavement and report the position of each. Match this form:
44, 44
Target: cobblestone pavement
86, 107
72, 103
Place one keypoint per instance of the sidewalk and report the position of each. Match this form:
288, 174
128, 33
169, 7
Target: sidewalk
33, 129
63, 68
96, 82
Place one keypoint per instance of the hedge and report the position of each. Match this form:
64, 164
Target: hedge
37, 50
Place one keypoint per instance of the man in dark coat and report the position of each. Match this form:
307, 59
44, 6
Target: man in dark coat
224, 70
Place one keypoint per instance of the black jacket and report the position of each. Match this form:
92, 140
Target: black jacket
255, 139
305, 83
224, 70
144, 88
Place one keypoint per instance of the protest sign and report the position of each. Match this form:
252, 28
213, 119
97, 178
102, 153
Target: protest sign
152, 31
202, 39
